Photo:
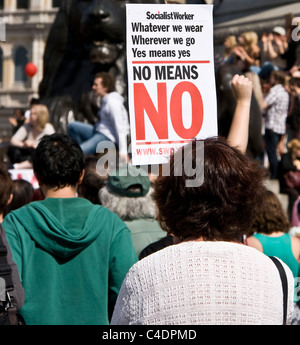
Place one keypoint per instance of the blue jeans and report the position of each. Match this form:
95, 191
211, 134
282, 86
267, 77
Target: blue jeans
86, 136
272, 140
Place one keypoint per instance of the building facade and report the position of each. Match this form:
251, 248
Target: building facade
26, 24
231, 17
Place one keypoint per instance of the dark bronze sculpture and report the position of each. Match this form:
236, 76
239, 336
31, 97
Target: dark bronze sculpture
88, 36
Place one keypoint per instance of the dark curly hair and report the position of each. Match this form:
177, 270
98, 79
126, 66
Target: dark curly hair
223, 207
58, 161
6, 187
270, 217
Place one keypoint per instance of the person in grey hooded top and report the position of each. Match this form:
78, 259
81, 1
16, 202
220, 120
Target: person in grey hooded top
72, 255
113, 122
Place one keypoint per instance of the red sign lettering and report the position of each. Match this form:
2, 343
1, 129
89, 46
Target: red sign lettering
159, 117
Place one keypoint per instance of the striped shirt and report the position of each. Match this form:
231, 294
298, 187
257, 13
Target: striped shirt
276, 113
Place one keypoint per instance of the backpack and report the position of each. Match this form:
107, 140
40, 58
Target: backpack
8, 311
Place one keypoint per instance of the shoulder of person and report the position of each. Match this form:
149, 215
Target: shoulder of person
49, 128
254, 243
295, 240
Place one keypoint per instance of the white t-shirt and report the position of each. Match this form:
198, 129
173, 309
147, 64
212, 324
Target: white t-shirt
24, 133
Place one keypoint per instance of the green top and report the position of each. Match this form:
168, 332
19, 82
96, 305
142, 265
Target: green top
72, 257
144, 231
280, 247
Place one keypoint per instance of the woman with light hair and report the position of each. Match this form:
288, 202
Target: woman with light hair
248, 50
229, 44
26, 139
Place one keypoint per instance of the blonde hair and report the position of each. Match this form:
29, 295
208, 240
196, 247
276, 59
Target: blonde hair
232, 42
42, 115
293, 144
250, 37
251, 40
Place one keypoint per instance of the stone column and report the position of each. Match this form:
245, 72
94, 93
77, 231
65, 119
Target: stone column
8, 68
10, 5
38, 47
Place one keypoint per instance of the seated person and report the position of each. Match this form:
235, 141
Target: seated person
26, 139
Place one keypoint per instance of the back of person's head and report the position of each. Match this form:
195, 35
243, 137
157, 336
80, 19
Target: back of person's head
108, 81
6, 188
42, 115
92, 181
279, 77
270, 216
58, 161
22, 195
219, 209
128, 193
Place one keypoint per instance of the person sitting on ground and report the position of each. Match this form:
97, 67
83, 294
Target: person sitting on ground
209, 272
113, 124
92, 181
72, 255
26, 139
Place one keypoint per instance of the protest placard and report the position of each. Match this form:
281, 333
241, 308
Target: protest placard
171, 80
24, 174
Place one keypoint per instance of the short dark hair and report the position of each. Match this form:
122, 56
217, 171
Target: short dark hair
108, 81
6, 187
92, 181
295, 81
22, 194
58, 161
223, 207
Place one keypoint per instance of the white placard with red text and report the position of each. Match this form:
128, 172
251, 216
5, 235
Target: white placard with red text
171, 80
24, 174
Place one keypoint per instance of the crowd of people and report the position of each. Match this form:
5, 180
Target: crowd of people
131, 248
272, 62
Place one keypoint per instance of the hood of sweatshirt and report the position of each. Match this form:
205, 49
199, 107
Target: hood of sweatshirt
49, 231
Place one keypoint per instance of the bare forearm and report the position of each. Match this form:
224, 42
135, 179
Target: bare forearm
238, 135
239, 130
